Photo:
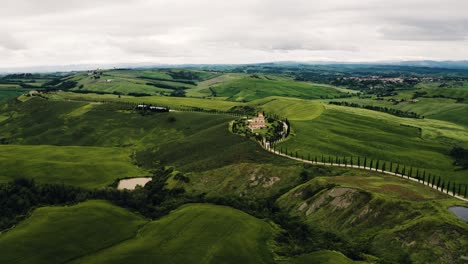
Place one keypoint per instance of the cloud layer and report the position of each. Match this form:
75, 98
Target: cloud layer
54, 32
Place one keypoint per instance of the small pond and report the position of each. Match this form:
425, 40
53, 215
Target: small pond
131, 184
460, 211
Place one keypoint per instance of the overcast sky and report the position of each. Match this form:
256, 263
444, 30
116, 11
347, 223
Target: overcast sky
64, 32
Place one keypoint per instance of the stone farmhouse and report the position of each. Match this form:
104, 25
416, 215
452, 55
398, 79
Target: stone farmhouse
258, 122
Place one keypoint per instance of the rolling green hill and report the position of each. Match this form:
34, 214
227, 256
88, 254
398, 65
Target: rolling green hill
344, 131
251, 88
197, 234
88, 167
61, 234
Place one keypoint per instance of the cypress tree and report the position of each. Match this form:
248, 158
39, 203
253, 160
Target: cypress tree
377, 165
453, 189
404, 171
433, 181
315, 159
383, 166
397, 171
365, 162
351, 161
438, 182
336, 160
391, 166
417, 173
442, 186
411, 172
448, 187
466, 187
296, 154
359, 162
330, 160
424, 180
371, 164
459, 189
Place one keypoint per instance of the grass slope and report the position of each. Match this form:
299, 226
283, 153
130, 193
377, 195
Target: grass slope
249, 88
88, 167
196, 233
60, 234
322, 257
344, 131
397, 220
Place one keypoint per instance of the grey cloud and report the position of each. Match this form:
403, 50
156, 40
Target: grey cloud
424, 30
192, 31
10, 43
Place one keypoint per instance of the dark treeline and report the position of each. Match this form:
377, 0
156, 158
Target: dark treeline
391, 111
17, 198
461, 156
168, 80
166, 86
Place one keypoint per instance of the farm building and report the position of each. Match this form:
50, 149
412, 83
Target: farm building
258, 122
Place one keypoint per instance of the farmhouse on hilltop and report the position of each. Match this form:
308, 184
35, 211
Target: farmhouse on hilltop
258, 122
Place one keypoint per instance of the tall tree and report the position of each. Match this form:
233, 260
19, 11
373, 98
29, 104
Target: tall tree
365, 162
371, 164
377, 165
391, 166
359, 162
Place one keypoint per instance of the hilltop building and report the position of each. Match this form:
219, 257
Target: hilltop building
258, 122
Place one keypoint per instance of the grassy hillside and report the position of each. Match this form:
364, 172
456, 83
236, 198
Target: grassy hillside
322, 257
88, 167
345, 131
251, 88
61, 234
195, 233
395, 219
148, 82
121, 137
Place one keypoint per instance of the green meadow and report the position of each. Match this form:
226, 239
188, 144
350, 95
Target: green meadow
252, 88
88, 167
423, 144
195, 233
61, 234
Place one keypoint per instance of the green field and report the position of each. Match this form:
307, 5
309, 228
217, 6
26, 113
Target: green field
197, 234
61, 234
97, 232
250, 88
88, 167
379, 136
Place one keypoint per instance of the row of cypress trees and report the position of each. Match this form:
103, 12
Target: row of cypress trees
417, 174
